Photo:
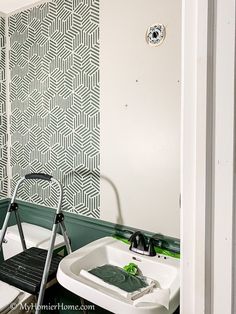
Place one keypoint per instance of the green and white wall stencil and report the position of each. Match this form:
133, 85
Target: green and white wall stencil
54, 98
3, 117
51, 99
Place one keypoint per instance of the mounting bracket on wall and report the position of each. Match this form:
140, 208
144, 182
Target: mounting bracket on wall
156, 34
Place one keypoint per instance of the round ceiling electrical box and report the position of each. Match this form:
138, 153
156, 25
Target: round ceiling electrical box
156, 34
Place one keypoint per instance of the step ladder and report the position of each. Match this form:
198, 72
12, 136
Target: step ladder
34, 262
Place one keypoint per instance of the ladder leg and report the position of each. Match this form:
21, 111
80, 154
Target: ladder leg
66, 238
12, 207
68, 247
84, 305
46, 269
19, 225
4, 228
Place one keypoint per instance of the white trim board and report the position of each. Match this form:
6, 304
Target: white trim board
193, 161
207, 156
224, 156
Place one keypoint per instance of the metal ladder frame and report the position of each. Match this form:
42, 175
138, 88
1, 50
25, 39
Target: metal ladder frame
58, 221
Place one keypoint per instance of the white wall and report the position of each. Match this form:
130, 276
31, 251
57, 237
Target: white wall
140, 115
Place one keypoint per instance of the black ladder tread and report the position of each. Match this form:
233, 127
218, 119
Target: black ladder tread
25, 269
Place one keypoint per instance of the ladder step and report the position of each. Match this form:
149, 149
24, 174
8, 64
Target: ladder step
25, 269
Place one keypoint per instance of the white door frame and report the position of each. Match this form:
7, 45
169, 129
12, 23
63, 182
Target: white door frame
224, 158
208, 49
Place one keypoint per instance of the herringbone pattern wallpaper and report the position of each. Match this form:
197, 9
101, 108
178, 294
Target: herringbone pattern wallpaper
54, 93
3, 118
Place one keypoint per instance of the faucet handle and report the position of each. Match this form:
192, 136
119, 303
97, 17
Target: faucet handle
133, 241
134, 235
151, 248
137, 240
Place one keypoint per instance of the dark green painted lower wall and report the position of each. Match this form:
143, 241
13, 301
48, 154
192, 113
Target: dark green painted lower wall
81, 230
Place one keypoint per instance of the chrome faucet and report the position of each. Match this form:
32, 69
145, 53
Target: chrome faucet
138, 244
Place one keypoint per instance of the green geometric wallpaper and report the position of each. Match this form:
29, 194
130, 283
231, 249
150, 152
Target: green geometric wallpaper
3, 117
54, 95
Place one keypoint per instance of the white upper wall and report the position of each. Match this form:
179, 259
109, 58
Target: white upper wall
140, 115
8, 7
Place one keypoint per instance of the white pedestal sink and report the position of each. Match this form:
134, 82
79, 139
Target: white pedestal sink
108, 250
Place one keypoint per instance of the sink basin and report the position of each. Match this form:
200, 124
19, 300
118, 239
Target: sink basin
112, 251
